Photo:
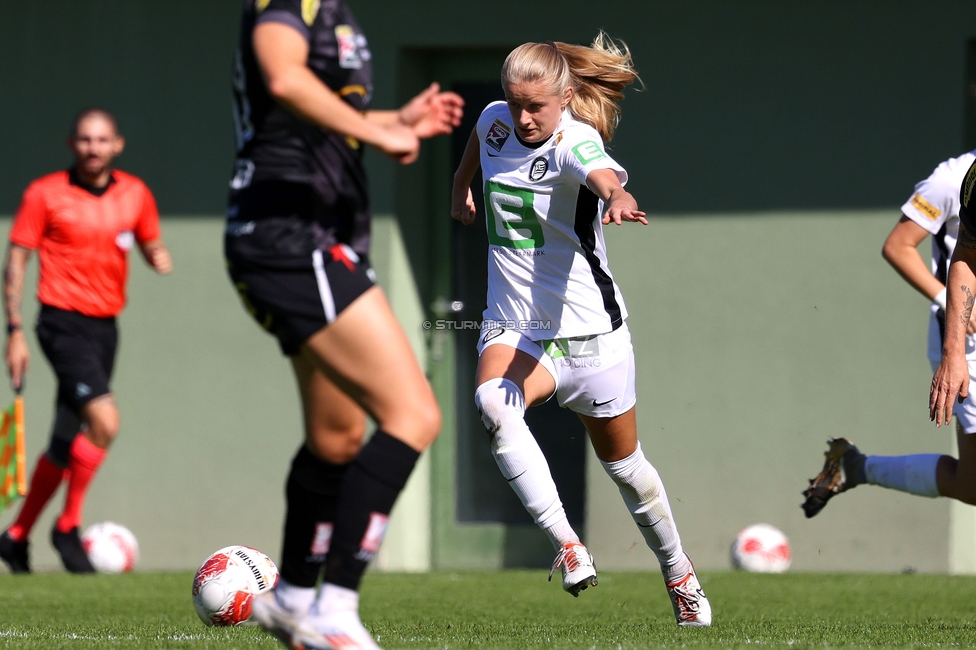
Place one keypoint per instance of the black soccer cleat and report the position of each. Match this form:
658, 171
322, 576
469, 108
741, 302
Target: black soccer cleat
73, 556
14, 554
843, 470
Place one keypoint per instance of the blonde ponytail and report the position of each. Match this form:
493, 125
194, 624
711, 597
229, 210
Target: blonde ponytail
598, 75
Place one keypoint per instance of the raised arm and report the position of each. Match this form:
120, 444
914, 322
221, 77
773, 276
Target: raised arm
619, 204
282, 54
462, 201
951, 380
17, 353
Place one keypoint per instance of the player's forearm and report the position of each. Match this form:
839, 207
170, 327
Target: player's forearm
13, 282
384, 118
470, 162
960, 295
302, 93
908, 262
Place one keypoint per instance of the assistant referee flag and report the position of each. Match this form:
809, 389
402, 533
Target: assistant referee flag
13, 467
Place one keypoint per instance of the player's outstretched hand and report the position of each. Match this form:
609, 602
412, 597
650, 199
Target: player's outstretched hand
950, 383
17, 357
462, 206
623, 207
433, 112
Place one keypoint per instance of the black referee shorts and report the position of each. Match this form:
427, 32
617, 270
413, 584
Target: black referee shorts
289, 277
81, 350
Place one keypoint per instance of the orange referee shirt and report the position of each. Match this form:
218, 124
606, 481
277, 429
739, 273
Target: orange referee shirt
83, 240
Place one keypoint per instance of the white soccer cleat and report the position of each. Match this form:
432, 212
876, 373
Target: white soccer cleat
691, 608
339, 630
276, 619
578, 569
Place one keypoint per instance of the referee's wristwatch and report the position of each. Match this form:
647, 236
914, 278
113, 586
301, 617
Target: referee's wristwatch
13, 327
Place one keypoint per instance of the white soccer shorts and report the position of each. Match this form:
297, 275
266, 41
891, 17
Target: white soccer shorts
594, 375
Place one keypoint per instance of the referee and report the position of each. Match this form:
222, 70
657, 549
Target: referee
83, 222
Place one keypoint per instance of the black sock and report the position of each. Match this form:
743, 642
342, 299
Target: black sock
311, 496
369, 490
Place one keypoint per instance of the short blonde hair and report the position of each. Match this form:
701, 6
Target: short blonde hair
597, 74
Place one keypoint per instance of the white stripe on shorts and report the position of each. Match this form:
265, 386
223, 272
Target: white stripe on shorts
325, 290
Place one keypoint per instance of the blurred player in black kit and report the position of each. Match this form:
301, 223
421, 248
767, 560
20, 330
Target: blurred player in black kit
296, 244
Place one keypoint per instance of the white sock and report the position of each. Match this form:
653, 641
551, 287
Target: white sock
914, 474
520, 459
335, 598
643, 492
293, 598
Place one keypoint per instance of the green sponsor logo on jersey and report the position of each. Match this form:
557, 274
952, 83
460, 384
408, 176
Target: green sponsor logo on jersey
512, 221
587, 152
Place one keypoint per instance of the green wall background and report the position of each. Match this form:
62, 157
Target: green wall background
753, 104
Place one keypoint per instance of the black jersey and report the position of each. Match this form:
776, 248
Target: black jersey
275, 145
967, 201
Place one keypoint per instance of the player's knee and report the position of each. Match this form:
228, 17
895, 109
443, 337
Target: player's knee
425, 422
103, 426
499, 400
334, 442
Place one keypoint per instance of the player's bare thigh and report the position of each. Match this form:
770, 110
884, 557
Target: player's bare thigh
334, 424
366, 354
497, 361
612, 438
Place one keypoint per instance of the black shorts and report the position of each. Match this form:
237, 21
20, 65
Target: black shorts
291, 281
81, 350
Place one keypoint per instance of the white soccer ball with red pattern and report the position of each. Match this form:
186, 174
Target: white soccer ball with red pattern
111, 547
761, 548
228, 580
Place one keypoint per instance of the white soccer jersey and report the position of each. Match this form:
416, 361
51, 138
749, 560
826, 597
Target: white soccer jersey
935, 207
547, 261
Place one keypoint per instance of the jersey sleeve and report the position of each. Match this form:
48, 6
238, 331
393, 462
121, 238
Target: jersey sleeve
288, 12
581, 151
147, 226
935, 199
30, 221
967, 200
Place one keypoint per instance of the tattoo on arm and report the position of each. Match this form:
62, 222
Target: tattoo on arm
967, 308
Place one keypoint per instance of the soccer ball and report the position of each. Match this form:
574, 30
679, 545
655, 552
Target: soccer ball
111, 547
227, 582
761, 548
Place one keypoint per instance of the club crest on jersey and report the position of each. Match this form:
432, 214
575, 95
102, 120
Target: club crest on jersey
352, 48
125, 240
538, 169
497, 135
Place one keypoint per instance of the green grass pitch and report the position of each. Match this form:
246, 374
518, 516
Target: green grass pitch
517, 609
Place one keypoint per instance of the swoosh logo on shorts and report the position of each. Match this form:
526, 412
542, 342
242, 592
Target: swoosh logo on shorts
596, 403
494, 334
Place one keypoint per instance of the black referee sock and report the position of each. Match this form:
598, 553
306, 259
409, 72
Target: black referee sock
369, 490
311, 496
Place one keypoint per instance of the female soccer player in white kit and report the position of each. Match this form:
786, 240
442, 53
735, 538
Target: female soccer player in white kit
555, 322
